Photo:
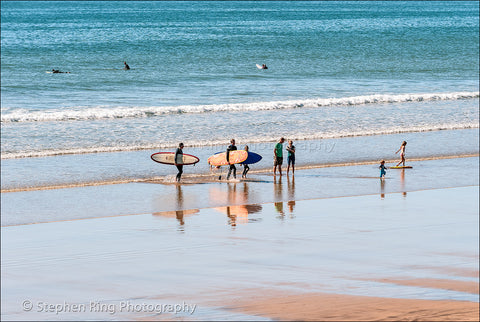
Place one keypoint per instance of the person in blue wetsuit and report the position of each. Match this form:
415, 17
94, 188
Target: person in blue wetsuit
231, 147
383, 170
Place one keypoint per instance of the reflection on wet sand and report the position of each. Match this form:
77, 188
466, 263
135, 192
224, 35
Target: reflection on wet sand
382, 189
239, 214
179, 214
278, 191
291, 194
237, 196
402, 182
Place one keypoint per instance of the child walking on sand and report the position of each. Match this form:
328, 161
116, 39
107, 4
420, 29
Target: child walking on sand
383, 170
402, 153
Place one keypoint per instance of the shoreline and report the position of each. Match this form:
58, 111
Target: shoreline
214, 175
157, 196
122, 167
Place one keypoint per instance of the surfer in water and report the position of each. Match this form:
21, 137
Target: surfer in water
231, 147
264, 66
126, 66
245, 166
402, 153
179, 161
57, 71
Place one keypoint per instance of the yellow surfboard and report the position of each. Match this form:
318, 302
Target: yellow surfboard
219, 159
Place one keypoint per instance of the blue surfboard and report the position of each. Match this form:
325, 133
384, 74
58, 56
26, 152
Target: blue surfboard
252, 158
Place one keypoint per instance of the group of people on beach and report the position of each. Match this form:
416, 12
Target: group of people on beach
277, 159
232, 170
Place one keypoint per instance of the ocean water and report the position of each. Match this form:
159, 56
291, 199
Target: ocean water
335, 70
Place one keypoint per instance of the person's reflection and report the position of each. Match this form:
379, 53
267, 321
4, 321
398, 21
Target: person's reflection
382, 189
180, 213
279, 208
278, 196
291, 194
402, 182
239, 214
232, 218
278, 188
245, 192
291, 206
232, 194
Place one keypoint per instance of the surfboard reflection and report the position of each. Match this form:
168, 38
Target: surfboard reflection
180, 213
239, 214
236, 196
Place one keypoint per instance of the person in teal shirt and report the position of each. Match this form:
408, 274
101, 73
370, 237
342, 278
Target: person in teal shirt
278, 157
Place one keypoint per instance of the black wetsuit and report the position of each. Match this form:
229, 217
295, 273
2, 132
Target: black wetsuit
179, 166
245, 170
231, 147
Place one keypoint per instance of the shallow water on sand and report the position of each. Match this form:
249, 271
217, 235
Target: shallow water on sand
339, 245
141, 197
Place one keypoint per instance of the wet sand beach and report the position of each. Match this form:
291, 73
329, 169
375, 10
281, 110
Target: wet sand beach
330, 244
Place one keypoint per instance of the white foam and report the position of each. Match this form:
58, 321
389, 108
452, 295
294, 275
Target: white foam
251, 140
104, 112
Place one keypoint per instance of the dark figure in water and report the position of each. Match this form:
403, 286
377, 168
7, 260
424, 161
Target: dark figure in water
126, 66
57, 71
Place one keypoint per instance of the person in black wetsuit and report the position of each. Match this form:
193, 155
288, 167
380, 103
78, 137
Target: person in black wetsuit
126, 66
57, 71
231, 147
179, 161
245, 166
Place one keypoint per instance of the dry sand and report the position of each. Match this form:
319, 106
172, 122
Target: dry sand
336, 307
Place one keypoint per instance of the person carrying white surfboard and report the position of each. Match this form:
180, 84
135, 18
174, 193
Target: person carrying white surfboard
231, 147
179, 161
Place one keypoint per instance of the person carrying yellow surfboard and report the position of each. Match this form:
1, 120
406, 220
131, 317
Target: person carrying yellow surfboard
231, 147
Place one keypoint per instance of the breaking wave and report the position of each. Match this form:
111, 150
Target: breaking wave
102, 112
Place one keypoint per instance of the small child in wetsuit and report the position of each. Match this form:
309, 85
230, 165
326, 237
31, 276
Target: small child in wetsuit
383, 171
245, 166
